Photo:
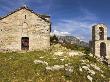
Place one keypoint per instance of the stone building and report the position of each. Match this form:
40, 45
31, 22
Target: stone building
100, 43
24, 29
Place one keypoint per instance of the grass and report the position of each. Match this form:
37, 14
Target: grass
20, 67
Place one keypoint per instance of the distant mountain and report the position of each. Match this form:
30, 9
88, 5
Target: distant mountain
72, 40
65, 37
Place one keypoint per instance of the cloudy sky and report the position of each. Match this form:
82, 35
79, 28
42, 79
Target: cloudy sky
73, 17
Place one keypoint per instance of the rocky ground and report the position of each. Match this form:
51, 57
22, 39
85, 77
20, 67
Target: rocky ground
55, 65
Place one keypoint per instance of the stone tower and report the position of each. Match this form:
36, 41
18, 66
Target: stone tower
100, 44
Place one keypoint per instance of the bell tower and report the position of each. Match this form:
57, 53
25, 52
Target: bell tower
99, 40
99, 32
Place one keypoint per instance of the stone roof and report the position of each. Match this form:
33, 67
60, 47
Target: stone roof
25, 7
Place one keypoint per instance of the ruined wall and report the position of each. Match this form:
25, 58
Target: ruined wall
108, 51
97, 47
95, 32
24, 23
96, 42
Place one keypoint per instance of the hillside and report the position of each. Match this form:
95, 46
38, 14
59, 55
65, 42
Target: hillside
72, 40
58, 64
68, 39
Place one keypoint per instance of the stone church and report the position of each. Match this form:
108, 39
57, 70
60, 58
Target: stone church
24, 29
100, 44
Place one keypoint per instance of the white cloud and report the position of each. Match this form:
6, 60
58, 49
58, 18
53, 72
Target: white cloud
60, 33
79, 27
76, 28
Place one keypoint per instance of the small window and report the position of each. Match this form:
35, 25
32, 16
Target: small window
25, 16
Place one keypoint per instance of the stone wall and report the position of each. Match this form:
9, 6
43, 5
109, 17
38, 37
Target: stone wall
96, 41
24, 23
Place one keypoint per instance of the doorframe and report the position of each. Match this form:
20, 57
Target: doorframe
25, 47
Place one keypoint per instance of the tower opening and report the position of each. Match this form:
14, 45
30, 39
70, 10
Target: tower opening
103, 49
101, 33
25, 43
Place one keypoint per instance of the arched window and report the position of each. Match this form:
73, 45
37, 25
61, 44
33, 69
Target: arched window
101, 33
103, 49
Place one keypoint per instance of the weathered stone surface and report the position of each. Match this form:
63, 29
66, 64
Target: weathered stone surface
24, 23
98, 39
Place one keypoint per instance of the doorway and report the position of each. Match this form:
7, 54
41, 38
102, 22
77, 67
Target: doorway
103, 49
25, 43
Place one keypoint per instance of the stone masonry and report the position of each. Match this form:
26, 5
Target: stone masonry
100, 45
24, 29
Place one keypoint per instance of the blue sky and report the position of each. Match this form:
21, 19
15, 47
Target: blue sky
69, 16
